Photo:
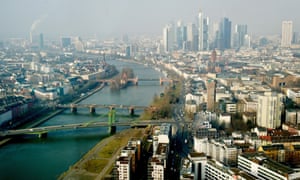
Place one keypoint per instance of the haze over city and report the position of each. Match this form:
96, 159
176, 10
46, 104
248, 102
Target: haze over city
110, 18
157, 90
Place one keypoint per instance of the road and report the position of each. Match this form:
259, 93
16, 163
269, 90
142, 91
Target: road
179, 144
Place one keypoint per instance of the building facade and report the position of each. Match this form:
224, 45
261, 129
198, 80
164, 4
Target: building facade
203, 32
211, 95
269, 110
287, 33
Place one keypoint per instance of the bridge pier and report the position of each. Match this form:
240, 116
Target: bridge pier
112, 130
92, 110
161, 82
136, 81
43, 135
131, 111
73, 109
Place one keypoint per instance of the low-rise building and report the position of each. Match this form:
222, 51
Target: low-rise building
262, 167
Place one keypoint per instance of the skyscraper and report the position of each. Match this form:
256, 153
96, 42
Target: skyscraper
211, 95
168, 38
179, 35
41, 42
65, 42
203, 32
223, 36
286, 33
192, 37
240, 31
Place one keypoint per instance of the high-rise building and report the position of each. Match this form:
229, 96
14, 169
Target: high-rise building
223, 35
211, 95
179, 35
184, 37
192, 37
269, 110
41, 42
203, 32
287, 33
247, 41
168, 38
240, 31
295, 38
65, 42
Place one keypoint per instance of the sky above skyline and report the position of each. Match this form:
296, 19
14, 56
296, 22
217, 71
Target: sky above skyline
116, 17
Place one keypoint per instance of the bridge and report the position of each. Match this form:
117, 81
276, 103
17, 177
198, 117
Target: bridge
92, 107
136, 80
42, 131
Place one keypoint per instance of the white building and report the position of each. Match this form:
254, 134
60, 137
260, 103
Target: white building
286, 33
264, 168
269, 110
225, 118
199, 161
123, 164
156, 169
216, 170
294, 95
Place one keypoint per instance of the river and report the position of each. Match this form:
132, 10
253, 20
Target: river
32, 158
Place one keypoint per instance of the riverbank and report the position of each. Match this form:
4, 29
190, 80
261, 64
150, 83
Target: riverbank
98, 162
46, 117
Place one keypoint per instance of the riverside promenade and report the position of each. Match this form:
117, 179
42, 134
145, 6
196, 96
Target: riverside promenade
99, 161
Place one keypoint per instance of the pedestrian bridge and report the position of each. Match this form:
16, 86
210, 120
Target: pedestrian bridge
42, 131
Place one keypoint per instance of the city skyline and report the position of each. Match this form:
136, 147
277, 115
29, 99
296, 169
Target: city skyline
106, 18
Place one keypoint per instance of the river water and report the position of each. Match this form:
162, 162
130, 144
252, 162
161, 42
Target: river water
32, 158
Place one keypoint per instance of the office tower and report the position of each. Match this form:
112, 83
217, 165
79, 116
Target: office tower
240, 31
179, 35
125, 38
247, 41
211, 95
223, 35
286, 33
295, 38
127, 51
269, 110
30, 37
203, 32
65, 42
41, 42
192, 37
184, 37
168, 38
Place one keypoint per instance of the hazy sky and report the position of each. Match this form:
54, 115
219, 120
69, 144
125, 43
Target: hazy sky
114, 17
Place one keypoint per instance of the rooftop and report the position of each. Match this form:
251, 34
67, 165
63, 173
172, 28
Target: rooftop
261, 159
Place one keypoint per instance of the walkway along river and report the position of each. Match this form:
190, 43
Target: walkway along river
33, 158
